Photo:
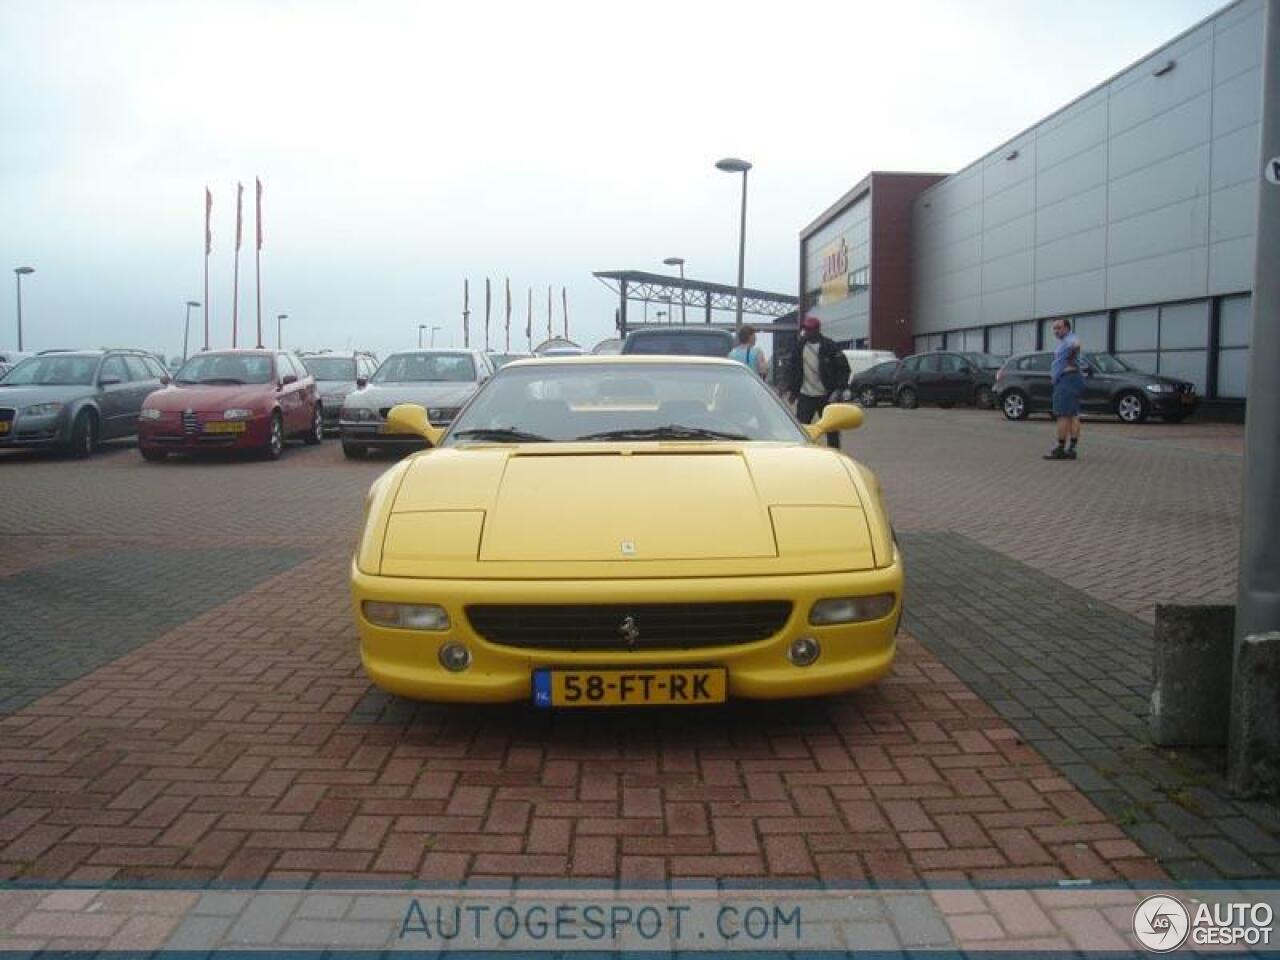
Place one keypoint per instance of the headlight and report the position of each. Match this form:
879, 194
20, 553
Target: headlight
1160, 388
851, 609
442, 414
150, 413
359, 413
237, 413
41, 409
407, 616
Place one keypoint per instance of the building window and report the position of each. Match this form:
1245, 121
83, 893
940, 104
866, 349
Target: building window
1091, 328
1184, 342
1024, 337
1138, 338
860, 280
1000, 340
1235, 316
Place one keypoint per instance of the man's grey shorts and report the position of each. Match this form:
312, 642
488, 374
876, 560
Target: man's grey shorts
1066, 395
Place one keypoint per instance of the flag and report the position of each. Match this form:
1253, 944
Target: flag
239, 205
258, 185
208, 219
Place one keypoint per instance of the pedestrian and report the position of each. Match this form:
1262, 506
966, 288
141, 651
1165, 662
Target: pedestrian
746, 352
815, 369
1068, 386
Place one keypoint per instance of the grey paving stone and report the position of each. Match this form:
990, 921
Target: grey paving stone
1226, 857
917, 921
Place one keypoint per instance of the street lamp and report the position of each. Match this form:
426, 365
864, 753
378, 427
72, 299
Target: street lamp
679, 262
280, 319
421, 327
19, 273
186, 328
432, 341
734, 165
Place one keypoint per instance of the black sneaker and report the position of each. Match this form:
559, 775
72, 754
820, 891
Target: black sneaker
1071, 453
1058, 453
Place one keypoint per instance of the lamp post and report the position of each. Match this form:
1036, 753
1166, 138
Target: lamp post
280, 319
431, 342
734, 165
186, 328
19, 273
679, 262
421, 327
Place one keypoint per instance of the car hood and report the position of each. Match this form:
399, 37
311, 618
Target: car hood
20, 397
204, 397
602, 511
437, 394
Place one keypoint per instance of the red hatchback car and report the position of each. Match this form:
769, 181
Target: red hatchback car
232, 400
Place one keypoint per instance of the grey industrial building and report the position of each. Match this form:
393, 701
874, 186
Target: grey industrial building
1131, 210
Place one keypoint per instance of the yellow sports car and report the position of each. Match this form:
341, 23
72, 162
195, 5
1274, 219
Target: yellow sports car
619, 530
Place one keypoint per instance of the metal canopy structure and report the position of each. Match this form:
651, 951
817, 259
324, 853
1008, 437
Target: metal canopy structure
696, 297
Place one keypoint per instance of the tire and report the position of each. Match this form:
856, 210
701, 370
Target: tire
316, 434
1014, 405
153, 456
867, 396
983, 398
354, 451
84, 435
1132, 407
908, 399
275, 438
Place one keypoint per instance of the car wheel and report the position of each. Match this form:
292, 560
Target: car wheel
1014, 405
983, 398
84, 435
316, 434
908, 399
275, 439
354, 451
152, 456
1131, 407
867, 396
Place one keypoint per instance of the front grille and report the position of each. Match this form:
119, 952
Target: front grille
661, 626
190, 423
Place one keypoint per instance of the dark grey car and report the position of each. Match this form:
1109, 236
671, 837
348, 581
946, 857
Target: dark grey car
439, 380
337, 374
71, 400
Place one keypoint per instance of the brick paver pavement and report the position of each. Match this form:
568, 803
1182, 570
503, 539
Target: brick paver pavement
246, 743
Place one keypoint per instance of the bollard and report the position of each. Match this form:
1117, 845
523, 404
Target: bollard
1191, 699
1254, 767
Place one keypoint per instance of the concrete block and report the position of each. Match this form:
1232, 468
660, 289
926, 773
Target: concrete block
1191, 699
1254, 754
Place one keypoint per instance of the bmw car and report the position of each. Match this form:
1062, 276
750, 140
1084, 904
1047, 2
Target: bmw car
603, 531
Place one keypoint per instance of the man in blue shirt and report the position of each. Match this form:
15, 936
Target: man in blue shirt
1068, 387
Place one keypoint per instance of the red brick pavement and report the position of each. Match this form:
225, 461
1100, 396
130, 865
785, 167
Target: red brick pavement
227, 750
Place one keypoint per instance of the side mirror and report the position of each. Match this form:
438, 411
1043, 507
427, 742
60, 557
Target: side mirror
835, 416
361, 382
166, 380
288, 379
412, 419
108, 381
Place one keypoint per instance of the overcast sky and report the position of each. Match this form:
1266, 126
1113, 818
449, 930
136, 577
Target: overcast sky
405, 146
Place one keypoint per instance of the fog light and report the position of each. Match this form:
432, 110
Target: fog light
454, 657
407, 616
803, 651
851, 609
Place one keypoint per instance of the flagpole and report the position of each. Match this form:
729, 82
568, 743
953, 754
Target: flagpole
235, 277
257, 255
208, 248
528, 324
550, 333
508, 327
466, 312
487, 300
564, 300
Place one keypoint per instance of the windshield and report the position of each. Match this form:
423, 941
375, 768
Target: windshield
226, 368
609, 401
52, 372
1106, 363
424, 367
330, 368
709, 344
985, 361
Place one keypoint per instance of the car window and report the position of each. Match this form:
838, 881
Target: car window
929, 364
138, 370
52, 371
226, 368
1037, 363
950, 363
427, 367
712, 343
885, 371
285, 367
114, 368
331, 368
909, 365
155, 366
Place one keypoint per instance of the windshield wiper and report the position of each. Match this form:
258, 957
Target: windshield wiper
501, 434
672, 431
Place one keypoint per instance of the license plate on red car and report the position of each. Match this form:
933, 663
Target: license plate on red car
224, 426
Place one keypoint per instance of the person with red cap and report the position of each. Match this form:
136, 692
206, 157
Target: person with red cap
814, 370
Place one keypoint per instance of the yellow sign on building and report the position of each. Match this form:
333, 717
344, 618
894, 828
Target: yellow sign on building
835, 272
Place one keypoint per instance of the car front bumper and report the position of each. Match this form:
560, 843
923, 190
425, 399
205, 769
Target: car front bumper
27, 432
169, 434
371, 434
405, 662
1163, 404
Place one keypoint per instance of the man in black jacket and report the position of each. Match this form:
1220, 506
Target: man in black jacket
814, 370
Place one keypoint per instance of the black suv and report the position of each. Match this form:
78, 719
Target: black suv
874, 384
946, 378
680, 341
1023, 387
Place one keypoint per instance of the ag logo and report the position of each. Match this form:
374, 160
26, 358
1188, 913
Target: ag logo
1161, 923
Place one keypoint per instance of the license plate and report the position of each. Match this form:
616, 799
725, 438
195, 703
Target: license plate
629, 688
4, 426
224, 426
